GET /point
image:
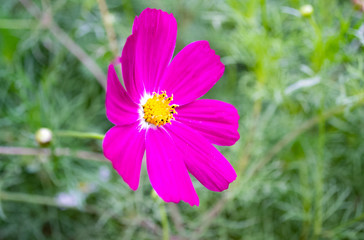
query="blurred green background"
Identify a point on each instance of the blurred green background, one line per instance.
(298, 84)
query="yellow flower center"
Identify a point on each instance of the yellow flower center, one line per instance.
(157, 110)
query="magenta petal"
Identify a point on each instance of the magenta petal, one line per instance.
(120, 109)
(124, 146)
(202, 159)
(192, 72)
(166, 169)
(134, 87)
(148, 51)
(215, 120)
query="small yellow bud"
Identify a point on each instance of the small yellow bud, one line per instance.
(43, 136)
(306, 10)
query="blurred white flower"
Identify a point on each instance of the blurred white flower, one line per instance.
(104, 174)
(70, 199)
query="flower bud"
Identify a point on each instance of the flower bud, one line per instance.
(359, 4)
(43, 136)
(306, 10)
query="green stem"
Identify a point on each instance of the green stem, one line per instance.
(164, 219)
(318, 55)
(263, 8)
(319, 179)
(79, 134)
(28, 198)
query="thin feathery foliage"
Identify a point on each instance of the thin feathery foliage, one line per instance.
(298, 84)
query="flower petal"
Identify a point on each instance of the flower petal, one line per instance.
(166, 169)
(134, 87)
(124, 146)
(120, 109)
(192, 72)
(148, 51)
(215, 120)
(202, 159)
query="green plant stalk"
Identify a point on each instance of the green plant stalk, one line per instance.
(263, 8)
(319, 179)
(318, 55)
(164, 219)
(306, 199)
(28, 198)
(79, 135)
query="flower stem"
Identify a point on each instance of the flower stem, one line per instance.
(28, 198)
(164, 219)
(79, 134)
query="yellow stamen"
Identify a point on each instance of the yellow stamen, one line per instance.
(157, 110)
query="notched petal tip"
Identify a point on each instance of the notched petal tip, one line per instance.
(217, 121)
(166, 170)
(230, 180)
(217, 59)
(152, 15)
(192, 72)
(191, 202)
(154, 10)
(148, 51)
(202, 160)
(195, 202)
(235, 124)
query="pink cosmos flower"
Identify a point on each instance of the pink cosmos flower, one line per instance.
(158, 113)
